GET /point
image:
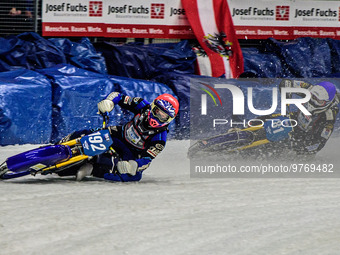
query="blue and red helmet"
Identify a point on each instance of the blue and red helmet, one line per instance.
(163, 110)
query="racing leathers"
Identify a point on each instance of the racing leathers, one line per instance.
(312, 131)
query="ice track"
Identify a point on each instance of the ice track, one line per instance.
(170, 213)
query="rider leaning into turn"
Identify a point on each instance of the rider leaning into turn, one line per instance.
(137, 142)
(312, 132)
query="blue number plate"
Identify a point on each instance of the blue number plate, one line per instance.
(96, 143)
(278, 129)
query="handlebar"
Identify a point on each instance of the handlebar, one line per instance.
(105, 119)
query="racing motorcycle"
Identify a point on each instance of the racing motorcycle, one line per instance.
(58, 157)
(236, 140)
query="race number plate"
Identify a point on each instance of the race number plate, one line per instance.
(96, 143)
(278, 129)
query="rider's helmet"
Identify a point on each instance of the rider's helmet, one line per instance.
(163, 110)
(322, 96)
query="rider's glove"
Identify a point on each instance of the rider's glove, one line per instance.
(105, 105)
(127, 167)
(285, 83)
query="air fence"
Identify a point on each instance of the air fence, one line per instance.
(50, 87)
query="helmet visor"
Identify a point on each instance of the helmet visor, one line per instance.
(318, 102)
(160, 115)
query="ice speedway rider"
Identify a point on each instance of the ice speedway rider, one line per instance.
(312, 132)
(266, 135)
(137, 142)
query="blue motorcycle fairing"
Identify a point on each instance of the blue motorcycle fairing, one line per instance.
(40, 157)
(11, 175)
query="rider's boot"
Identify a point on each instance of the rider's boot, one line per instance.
(84, 170)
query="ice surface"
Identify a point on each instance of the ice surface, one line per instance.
(170, 213)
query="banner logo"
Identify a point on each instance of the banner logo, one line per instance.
(96, 8)
(282, 13)
(157, 11)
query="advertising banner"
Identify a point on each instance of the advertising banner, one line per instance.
(71, 18)
(146, 19)
(115, 18)
(259, 19)
(285, 19)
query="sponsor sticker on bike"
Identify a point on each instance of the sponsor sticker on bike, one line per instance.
(38, 167)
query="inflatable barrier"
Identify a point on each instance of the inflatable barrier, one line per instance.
(147, 61)
(50, 87)
(25, 107)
